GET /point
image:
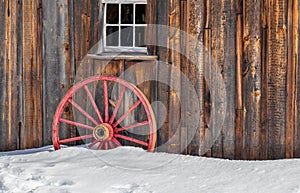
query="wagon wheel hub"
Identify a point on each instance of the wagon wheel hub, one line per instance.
(103, 132)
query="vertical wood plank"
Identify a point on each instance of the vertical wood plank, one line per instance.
(223, 22)
(9, 72)
(95, 22)
(174, 60)
(162, 8)
(184, 70)
(13, 76)
(276, 70)
(132, 73)
(57, 61)
(292, 49)
(264, 83)
(239, 81)
(206, 135)
(31, 132)
(86, 27)
(217, 47)
(82, 42)
(145, 70)
(3, 43)
(229, 78)
(252, 79)
(151, 29)
(101, 21)
(194, 52)
(297, 134)
(81, 26)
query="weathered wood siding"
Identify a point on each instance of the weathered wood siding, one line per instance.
(256, 46)
(254, 43)
(42, 41)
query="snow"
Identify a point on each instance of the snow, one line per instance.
(132, 170)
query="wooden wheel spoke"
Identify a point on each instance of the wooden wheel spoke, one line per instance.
(116, 142)
(76, 124)
(127, 113)
(120, 99)
(106, 100)
(93, 143)
(76, 139)
(106, 145)
(132, 126)
(83, 111)
(92, 100)
(111, 144)
(100, 146)
(131, 139)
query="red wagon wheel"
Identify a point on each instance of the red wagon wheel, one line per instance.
(104, 129)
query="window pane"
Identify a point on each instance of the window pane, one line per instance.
(127, 13)
(140, 14)
(126, 36)
(112, 14)
(140, 37)
(112, 35)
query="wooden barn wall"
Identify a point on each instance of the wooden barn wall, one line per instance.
(255, 44)
(42, 43)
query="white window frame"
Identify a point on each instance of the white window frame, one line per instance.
(120, 48)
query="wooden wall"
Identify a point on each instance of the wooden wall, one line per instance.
(41, 44)
(255, 44)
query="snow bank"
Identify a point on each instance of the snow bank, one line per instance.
(127, 169)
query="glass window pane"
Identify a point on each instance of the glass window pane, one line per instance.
(140, 36)
(127, 13)
(140, 14)
(112, 14)
(112, 35)
(126, 36)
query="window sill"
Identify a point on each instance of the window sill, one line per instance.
(122, 56)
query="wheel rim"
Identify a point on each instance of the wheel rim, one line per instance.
(105, 129)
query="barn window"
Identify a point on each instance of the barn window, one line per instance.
(124, 26)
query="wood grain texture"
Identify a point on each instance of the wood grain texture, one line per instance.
(81, 30)
(251, 79)
(297, 134)
(195, 66)
(218, 56)
(151, 29)
(57, 54)
(223, 44)
(239, 81)
(207, 135)
(31, 132)
(292, 60)
(276, 70)
(174, 60)
(3, 75)
(264, 84)
(229, 78)
(184, 69)
(162, 10)
(11, 70)
(95, 32)
(144, 72)
(9, 73)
